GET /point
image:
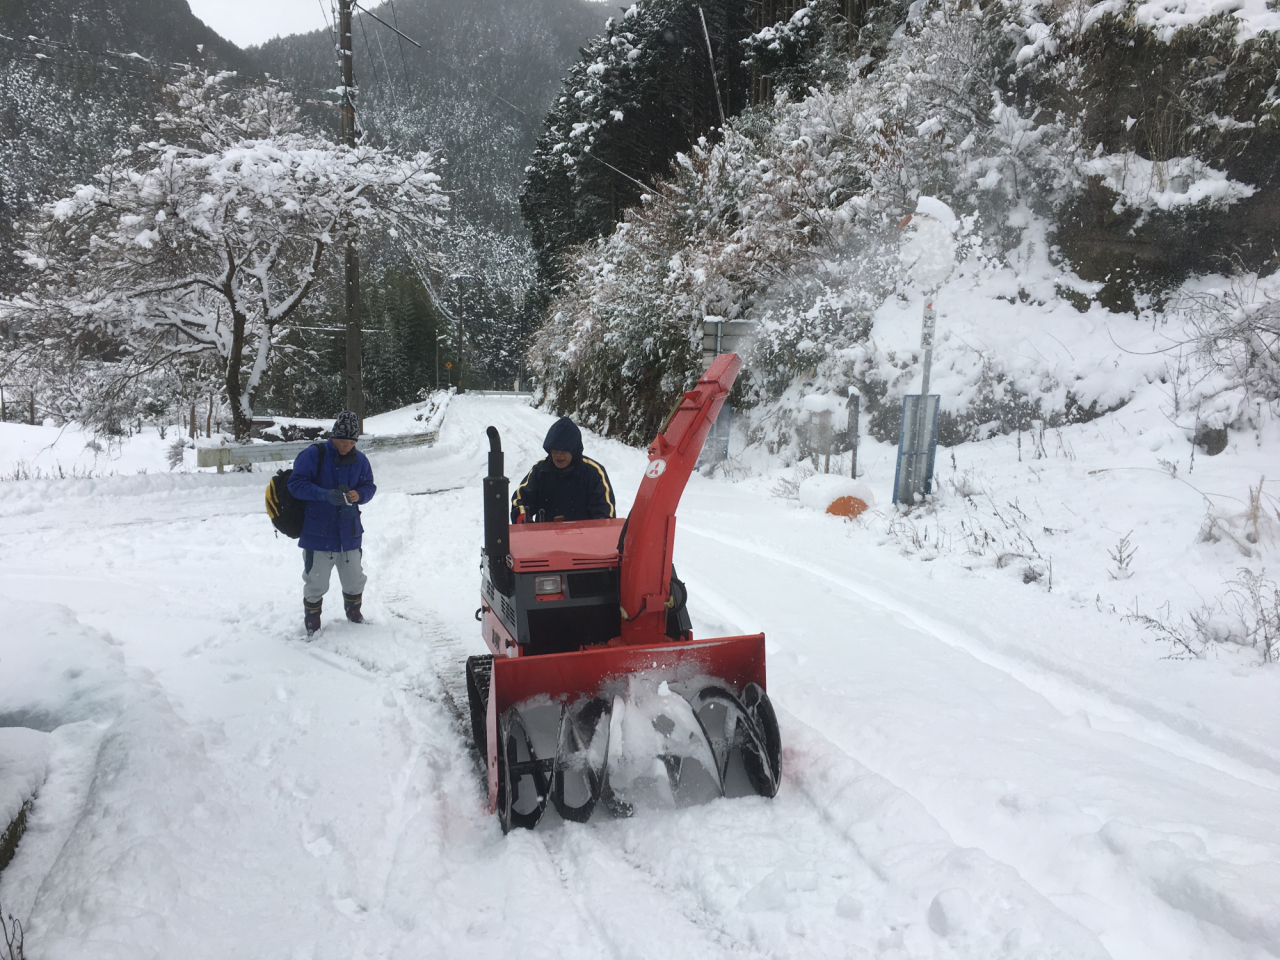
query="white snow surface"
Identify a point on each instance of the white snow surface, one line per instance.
(974, 766)
(24, 757)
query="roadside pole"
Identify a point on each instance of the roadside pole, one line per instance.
(927, 329)
(928, 254)
(855, 411)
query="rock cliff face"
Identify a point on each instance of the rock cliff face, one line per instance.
(1204, 93)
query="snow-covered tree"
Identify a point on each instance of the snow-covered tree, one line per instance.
(791, 219)
(210, 240)
(642, 92)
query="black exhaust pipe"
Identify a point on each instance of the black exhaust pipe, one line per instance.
(497, 530)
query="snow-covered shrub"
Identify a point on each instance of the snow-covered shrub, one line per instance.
(1246, 615)
(621, 340)
(1235, 333)
(176, 452)
(790, 221)
(1254, 601)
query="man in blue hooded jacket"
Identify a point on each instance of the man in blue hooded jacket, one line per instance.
(566, 485)
(332, 479)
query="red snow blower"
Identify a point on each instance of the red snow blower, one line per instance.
(596, 691)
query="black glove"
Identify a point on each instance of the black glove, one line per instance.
(337, 496)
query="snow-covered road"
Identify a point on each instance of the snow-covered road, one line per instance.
(964, 775)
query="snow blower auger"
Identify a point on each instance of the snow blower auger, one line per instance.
(596, 691)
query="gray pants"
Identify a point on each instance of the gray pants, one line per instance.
(318, 566)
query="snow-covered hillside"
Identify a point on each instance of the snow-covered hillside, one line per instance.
(975, 765)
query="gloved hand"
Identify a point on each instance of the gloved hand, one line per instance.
(336, 496)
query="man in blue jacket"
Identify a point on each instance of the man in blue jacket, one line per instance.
(566, 485)
(332, 479)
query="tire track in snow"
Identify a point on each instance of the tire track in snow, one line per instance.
(1097, 861)
(425, 834)
(1066, 690)
(598, 867)
(444, 673)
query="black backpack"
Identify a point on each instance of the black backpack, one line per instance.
(285, 510)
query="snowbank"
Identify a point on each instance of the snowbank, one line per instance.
(421, 417)
(24, 759)
(48, 452)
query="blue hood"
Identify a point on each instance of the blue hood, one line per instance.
(564, 435)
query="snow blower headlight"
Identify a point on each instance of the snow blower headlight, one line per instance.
(545, 585)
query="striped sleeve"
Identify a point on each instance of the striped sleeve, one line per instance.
(600, 504)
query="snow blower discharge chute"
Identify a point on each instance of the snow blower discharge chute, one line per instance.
(595, 690)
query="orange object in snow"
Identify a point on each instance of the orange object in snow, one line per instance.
(847, 507)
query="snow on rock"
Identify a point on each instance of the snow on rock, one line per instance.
(1166, 184)
(823, 489)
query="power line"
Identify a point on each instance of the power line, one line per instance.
(333, 37)
(399, 41)
(387, 25)
(372, 66)
(386, 70)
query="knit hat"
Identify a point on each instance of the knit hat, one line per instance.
(346, 427)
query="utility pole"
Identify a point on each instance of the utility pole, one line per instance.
(354, 378)
(460, 367)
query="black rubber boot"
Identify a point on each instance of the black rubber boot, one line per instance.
(352, 602)
(311, 618)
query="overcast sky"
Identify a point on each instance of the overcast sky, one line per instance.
(249, 22)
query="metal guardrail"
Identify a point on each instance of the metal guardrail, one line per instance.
(235, 454)
(500, 393)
